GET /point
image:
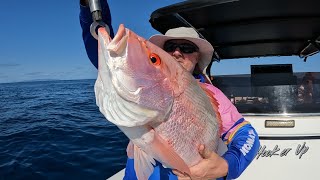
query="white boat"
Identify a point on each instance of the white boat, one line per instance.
(118, 175)
(273, 97)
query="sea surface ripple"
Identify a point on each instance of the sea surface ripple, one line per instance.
(54, 130)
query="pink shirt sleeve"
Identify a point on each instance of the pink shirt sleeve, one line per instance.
(228, 112)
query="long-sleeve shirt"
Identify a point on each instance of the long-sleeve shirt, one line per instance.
(241, 138)
(91, 44)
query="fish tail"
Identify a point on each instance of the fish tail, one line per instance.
(130, 150)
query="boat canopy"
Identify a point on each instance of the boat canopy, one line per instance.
(248, 28)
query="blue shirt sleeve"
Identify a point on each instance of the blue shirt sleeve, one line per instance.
(241, 150)
(159, 172)
(90, 42)
(130, 173)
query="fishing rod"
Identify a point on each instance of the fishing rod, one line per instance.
(96, 11)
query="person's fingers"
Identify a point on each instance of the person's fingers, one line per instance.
(180, 175)
(184, 178)
(204, 152)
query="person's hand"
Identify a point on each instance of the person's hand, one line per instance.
(210, 167)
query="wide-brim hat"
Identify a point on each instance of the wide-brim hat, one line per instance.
(205, 48)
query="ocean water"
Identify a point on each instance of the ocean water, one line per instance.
(54, 130)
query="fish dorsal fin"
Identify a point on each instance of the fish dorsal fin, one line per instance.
(167, 154)
(143, 163)
(214, 103)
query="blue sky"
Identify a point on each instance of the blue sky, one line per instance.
(42, 39)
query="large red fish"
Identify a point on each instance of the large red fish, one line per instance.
(157, 104)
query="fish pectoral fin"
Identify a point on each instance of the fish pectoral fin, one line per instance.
(143, 163)
(167, 154)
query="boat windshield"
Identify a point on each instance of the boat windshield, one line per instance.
(265, 86)
(272, 93)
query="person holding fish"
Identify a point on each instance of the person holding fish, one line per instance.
(173, 121)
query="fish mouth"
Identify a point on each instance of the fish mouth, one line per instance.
(118, 44)
(117, 67)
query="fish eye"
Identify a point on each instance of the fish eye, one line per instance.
(155, 59)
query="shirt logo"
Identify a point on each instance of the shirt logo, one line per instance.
(249, 143)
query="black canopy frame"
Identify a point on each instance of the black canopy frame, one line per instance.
(248, 28)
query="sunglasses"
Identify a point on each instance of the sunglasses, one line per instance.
(184, 47)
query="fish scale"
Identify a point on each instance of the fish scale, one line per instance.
(187, 122)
